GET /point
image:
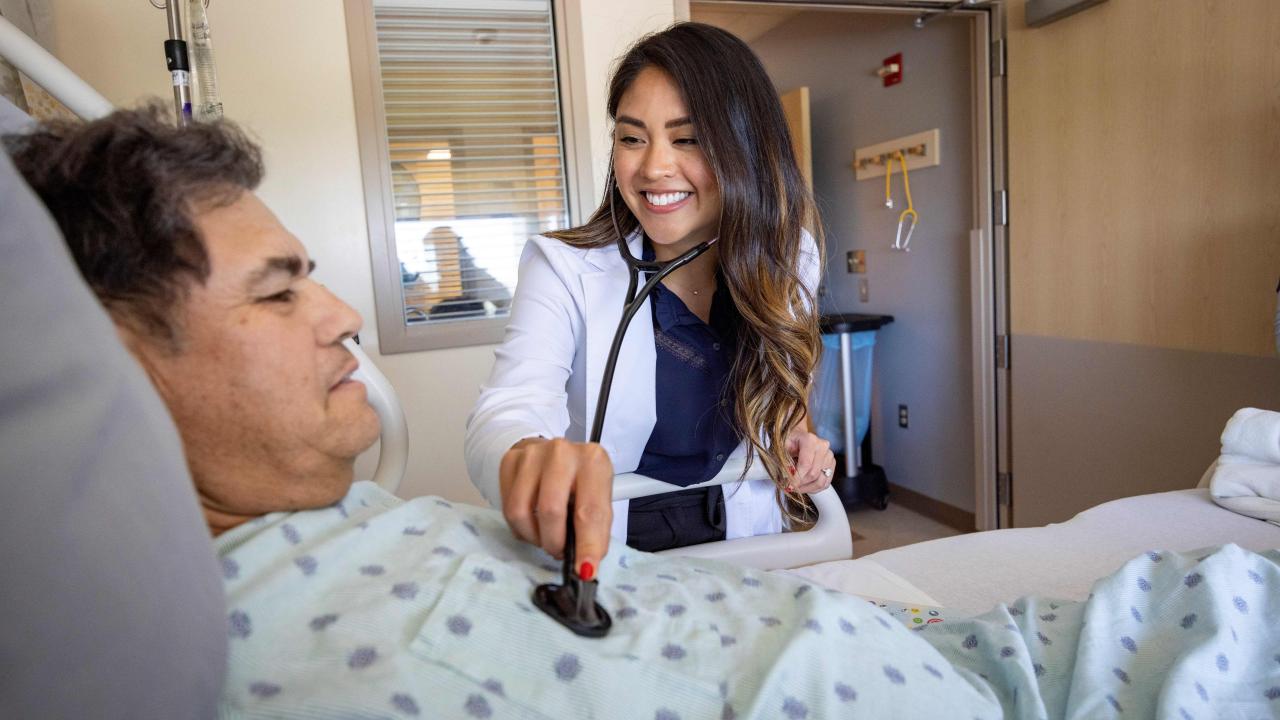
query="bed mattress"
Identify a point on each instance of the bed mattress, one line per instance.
(971, 573)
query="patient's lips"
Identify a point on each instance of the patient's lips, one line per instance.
(346, 379)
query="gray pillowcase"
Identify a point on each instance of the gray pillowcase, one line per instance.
(111, 599)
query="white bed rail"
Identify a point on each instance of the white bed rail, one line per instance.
(44, 69)
(828, 539)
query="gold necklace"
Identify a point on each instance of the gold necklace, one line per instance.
(689, 289)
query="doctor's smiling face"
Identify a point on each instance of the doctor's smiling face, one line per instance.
(661, 170)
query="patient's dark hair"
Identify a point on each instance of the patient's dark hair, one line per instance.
(125, 190)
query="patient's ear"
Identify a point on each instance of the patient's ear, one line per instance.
(146, 349)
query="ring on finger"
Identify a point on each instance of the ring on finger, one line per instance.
(827, 472)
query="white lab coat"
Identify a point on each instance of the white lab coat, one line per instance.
(547, 374)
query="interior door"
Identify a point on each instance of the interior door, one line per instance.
(795, 105)
(987, 238)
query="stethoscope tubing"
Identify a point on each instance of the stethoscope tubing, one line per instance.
(573, 603)
(631, 306)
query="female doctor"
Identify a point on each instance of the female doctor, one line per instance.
(715, 366)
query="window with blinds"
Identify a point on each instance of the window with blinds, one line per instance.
(474, 156)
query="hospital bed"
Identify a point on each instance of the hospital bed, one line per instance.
(106, 609)
(968, 574)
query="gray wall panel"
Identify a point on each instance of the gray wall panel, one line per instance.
(1096, 421)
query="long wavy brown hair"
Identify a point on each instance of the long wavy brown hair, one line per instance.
(765, 207)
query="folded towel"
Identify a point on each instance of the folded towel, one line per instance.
(1253, 434)
(1246, 477)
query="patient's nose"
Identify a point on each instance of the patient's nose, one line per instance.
(336, 320)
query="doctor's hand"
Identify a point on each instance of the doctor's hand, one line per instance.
(814, 462)
(539, 477)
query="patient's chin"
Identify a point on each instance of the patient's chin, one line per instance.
(356, 430)
(327, 488)
(367, 431)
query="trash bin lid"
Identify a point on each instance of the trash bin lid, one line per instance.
(853, 322)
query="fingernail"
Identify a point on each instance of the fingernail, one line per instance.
(790, 489)
(791, 470)
(586, 571)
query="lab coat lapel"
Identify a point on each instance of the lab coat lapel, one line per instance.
(631, 412)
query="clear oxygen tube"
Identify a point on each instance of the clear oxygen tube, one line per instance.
(207, 102)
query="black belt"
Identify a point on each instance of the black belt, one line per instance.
(677, 519)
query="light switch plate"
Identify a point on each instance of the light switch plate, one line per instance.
(864, 292)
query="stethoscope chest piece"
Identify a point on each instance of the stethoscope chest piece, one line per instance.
(573, 603)
(577, 611)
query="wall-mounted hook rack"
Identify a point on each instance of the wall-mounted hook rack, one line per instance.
(882, 158)
(921, 150)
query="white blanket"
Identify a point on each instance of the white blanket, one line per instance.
(1246, 477)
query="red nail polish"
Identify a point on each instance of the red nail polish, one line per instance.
(790, 489)
(791, 470)
(586, 571)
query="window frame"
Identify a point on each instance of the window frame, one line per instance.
(394, 334)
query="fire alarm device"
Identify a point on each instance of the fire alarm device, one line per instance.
(891, 70)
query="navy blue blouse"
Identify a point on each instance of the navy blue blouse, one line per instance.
(694, 432)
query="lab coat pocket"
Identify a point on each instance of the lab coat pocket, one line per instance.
(485, 630)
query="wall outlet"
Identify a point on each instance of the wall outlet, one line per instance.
(864, 291)
(903, 419)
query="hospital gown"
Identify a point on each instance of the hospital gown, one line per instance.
(380, 608)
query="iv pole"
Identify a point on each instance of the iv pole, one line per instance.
(175, 55)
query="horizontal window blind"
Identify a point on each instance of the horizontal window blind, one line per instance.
(472, 110)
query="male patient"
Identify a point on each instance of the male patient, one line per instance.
(347, 602)
(213, 296)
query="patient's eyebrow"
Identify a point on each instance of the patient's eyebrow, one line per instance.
(289, 265)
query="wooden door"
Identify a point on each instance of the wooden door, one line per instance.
(795, 105)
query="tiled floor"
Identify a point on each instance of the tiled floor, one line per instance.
(875, 530)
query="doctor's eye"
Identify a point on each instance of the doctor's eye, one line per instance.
(629, 140)
(687, 141)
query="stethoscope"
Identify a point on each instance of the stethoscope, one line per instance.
(573, 603)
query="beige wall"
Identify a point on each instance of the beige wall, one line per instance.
(1144, 172)
(1144, 183)
(284, 74)
(603, 29)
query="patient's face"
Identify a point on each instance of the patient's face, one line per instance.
(260, 389)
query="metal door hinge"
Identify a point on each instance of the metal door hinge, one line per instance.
(999, 58)
(1002, 352)
(1004, 489)
(1001, 203)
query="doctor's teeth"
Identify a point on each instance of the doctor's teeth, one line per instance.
(665, 198)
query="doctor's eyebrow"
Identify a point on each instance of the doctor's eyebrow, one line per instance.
(290, 265)
(678, 122)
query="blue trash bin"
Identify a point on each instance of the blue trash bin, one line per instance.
(825, 399)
